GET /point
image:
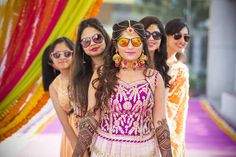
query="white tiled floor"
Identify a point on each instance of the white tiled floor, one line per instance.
(47, 145)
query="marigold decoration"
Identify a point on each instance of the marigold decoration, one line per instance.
(14, 111)
(35, 23)
(36, 102)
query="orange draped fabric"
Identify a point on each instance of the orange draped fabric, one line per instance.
(93, 11)
(41, 17)
(40, 103)
(177, 105)
(15, 109)
(9, 13)
(36, 21)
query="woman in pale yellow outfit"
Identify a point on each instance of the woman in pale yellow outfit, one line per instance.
(177, 104)
(56, 62)
(60, 86)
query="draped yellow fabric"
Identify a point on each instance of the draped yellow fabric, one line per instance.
(9, 13)
(72, 14)
(29, 110)
(32, 30)
(13, 110)
(66, 25)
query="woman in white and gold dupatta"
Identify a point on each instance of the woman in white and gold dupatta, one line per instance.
(177, 102)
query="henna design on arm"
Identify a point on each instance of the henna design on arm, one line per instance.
(163, 138)
(87, 128)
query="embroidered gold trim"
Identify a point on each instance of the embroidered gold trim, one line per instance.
(113, 137)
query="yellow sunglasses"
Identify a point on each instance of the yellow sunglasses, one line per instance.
(136, 42)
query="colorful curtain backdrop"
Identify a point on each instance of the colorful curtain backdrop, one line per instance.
(26, 28)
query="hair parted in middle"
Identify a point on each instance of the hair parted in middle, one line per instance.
(82, 66)
(48, 72)
(107, 74)
(160, 55)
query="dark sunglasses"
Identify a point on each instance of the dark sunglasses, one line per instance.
(58, 54)
(136, 42)
(178, 36)
(156, 35)
(97, 38)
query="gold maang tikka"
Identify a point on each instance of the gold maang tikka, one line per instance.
(130, 30)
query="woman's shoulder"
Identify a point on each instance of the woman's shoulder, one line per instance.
(182, 67)
(55, 83)
(154, 74)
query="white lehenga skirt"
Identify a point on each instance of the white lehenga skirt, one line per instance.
(106, 145)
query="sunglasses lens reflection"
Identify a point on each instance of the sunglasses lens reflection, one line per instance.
(97, 38)
(178, 36)
(136, 42)
(56, 55)
(66, 54)
(187, 38)
(85, 42)
(148, 34)
(123, 42)
(155, 35)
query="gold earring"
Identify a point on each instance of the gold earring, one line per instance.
(117, 59)
(142, 59)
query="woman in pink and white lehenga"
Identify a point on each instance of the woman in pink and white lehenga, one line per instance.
(126, 111)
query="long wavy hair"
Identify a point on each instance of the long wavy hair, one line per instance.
(107, 74)
(160, 55)
(48, 72)
(82, 66)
